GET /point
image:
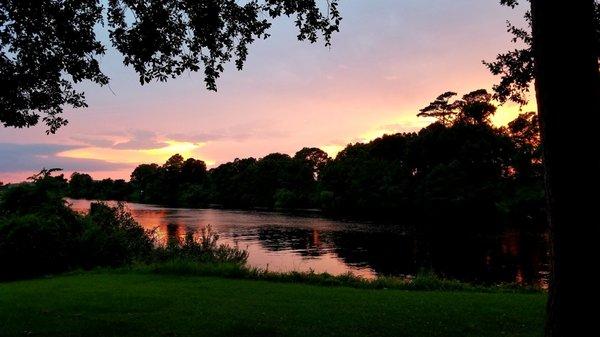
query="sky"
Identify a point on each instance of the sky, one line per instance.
(391, 58)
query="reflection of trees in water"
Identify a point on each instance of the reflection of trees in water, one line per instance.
(307, 242)
(170, 233)
(481, 259)
(525, 254)
(385, 253)
(512, 257)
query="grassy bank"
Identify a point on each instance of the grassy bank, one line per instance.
(427, 281)
(146, 304)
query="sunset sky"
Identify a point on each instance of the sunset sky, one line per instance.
(391, 58)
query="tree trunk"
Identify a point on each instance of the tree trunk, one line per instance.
(567, 84)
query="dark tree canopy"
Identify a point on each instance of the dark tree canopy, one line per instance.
(441, 108)
(475, 107)
(47, 46)
(314, 157)
(516, 66)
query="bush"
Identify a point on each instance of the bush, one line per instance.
(285, 198)
(201, 247)
(41, 234)
(35, 244)
(43, 242)
(113, 238)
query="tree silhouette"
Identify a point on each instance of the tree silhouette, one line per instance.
(193, 171)
(562, 53)
(441, 109)
(314, 157)
(49, 45)
(516, 67)
(525, 129)
(81, 185)
(174, 164)
(475, 107)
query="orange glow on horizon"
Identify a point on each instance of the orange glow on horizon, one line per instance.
(404, 123)
(138, 156)
(510, 111)
(332, 150)
(404, 120)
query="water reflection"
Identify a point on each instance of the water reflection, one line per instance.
(286, 242)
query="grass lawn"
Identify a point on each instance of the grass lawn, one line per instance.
(137, 304)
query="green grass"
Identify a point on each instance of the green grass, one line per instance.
(421, 281)
(125, 304)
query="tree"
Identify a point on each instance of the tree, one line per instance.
(563, 69)
(193, 171)
(516, 67)
(231, 184)
(441, 109)
(475, 107)
(174, 164)
(48, 46)
(563, 60)
(273, 172)
(142, 179)
(314, 157)
(525, 129)
(81, 185)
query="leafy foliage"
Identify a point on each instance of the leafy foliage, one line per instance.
(515, 67)
(475, 108)
(82, 186)
(441, 109)
(40, 233)
(48, 46)
(199, 248)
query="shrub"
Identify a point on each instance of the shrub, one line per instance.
(200, 247)
(112, 237)
(41, 234)
(285, 198)
(35, 244)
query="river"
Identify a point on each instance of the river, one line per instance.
(285, 242)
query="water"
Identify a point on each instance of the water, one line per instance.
(285, 242)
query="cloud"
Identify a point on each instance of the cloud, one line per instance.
(124, 140)
(196, 137)
(33, 157)
(262, 129)
(98, 141)
(140, 140)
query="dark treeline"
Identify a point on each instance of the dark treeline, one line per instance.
(460, 169)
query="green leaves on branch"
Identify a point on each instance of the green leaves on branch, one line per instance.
(516, 66)
(48, 46)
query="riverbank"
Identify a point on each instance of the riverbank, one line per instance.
(144, 304)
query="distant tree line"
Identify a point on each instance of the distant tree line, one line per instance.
(460, 168)
(82, 186)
